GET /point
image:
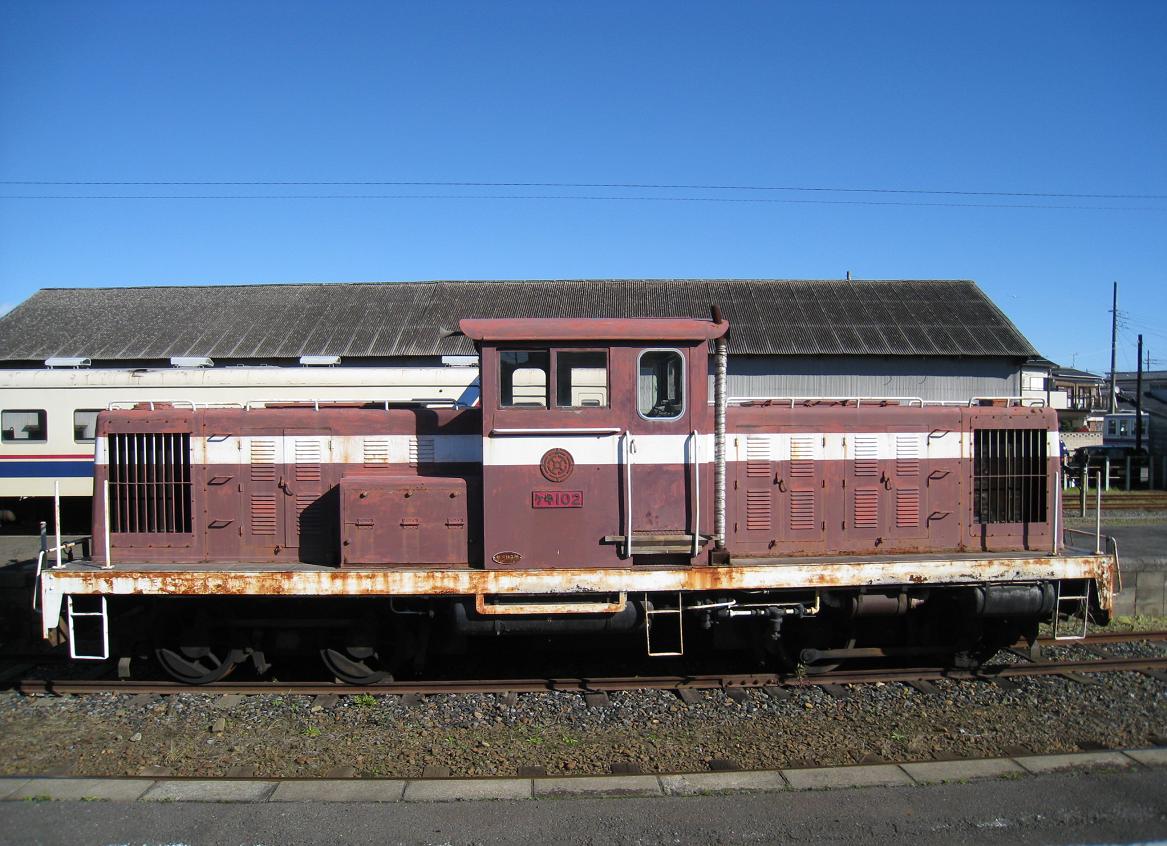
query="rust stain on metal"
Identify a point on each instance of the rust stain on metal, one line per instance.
(447, 582)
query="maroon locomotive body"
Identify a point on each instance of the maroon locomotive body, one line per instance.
(606, 480)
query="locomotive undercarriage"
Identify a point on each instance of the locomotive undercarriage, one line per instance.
(202, 640)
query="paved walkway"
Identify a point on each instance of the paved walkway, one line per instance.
(1123, 805)
(458, 789)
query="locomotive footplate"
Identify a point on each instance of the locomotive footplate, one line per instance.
(305, 580)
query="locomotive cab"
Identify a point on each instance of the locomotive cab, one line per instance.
(594, 434)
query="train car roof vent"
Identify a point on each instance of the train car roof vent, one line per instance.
(319, 360)
(65, 361)
(191, 361)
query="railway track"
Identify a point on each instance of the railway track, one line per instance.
(771, 682)
(1124, 502)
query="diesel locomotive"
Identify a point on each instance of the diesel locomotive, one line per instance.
(604, 486)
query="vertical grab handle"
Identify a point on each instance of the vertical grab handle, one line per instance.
(626, 453)
(696, 440)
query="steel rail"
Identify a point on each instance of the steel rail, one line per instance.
(605, 684)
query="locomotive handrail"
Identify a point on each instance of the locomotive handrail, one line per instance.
(251, 405)
(113, 405)
(1111, 549)
(1033, 402)
(858, 400)
(386, 404)
(595, 430)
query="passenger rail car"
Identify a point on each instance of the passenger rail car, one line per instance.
(48, 417)
(595, 491)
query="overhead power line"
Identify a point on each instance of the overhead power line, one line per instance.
(585, 197)
(639, 186)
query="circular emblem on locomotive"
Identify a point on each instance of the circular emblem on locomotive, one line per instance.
(557, 465)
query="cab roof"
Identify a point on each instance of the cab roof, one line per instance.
(593, 329)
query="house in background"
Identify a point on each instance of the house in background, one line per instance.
(1078, 397)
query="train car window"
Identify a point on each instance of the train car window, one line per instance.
(581, 379)
(85, 425)
(23, 425)
(660, 384)
(523, 378)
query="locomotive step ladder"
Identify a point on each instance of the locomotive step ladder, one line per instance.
(651, 614)
(678, 543)
(101, 615)
(1078, 607)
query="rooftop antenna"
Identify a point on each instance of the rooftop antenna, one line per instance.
(1113, 344)
(1139, 402)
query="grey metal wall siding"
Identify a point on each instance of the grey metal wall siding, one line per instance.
(936, 378)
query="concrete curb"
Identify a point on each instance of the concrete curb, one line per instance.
(24, 788)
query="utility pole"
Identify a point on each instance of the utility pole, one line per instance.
(1113, 404)
(1139, 401)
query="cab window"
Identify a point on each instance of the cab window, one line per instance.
(523, 378)
(581, 379)
(660, 384)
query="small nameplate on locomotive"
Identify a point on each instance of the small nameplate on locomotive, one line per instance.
(557, 499)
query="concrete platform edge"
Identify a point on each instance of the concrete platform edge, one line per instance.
(80, 788)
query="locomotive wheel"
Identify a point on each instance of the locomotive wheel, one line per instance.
(198, 664)
(355, 664)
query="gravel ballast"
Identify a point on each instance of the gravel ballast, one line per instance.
(649, 731)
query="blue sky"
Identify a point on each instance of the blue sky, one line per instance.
(1046, 97)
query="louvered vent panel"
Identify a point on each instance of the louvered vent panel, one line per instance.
(802, 456)
(758, 456)
(866, 455)
(908, 455)
(308, 520)
(802, 511)
(263, 514)
(758, 511)
(376, 452)
(421, 450)
(907, 508)
(866, 514)
(308, 453)
(149, 482)
(263, 459)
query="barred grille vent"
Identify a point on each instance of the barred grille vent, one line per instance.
(757, 455)
(866, 455)
(758, 510)
(1009, 475)
(149, 483)
(802, 456)
(802, 511)
(866, 509)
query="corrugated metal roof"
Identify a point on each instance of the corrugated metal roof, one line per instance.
(389, 319)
